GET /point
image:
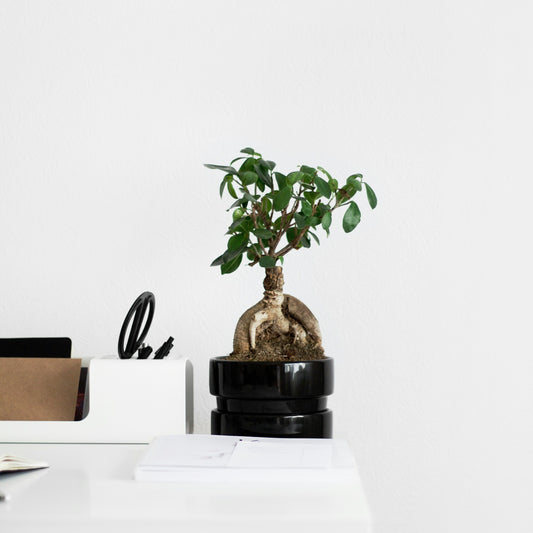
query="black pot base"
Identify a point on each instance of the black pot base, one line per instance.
(311, 425)
(271, 399)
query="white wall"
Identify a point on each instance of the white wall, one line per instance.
(108, 110)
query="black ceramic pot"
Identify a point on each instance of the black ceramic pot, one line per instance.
(271, 399)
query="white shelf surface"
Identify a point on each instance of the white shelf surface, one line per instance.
(90, 487)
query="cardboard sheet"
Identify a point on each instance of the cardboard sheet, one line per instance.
(38, 388)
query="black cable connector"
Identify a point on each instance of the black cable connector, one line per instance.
(165, 349)
(144, 352)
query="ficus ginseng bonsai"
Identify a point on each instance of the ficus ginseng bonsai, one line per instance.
(273, 214)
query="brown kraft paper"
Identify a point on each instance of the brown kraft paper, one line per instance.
(38, 388)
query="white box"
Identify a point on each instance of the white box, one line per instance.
(128, 401)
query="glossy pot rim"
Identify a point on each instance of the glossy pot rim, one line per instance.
(271, 379)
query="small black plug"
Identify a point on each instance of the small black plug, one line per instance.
(165, 349)
(144, 352)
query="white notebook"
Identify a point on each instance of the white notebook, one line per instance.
(225, 458)
(14, 463)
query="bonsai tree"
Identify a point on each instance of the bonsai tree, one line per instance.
(273, 214)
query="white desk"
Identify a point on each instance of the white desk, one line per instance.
(89, 487)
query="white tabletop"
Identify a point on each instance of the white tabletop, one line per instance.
(90, 487)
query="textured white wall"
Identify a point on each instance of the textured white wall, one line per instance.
(108, 110)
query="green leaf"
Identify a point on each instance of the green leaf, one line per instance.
(308, 170)
(270, 164)
(311, 197)
(314, 237)
(333, 185)
(351, 218)
(291, 234)
(293, 177)
(231, 266)
(228, 178)
(311, 221)
(244, 224)
(266, 204)
(249, 198)
(253, 253)
(345, 193)
(249, 151)
(236, 203)
(326, 221)
(229, 255)
(263, 233)
(248, 177)
(371, 195)
(324, 171)
(236, 241)
(323, 187)
(305, 242)
(228, 170)
(263, 175)
(247, 165)
(281, 179)
(237, 159)
(231, 190)
(218, 261)
(300, 221)
(282, 198)
(267, 262)
(354, 182)
(322, 209)
(307, 208)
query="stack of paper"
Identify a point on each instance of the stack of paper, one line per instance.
(225, 458)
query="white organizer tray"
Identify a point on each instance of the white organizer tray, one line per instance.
(128, 401)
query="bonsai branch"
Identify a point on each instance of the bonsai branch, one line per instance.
(293, 244)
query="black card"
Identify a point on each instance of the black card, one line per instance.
(36, 347)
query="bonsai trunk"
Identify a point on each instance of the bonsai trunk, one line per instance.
(278, 328)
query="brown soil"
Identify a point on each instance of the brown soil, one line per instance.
(271, 346)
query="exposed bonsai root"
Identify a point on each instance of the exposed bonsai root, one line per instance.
(302, 314)
(278, 327)
(241, 338)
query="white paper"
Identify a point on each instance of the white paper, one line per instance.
(221, 458)
(261, 454)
